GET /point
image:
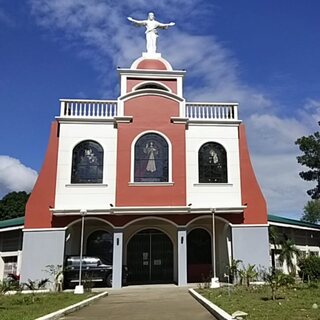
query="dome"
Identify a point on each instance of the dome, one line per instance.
(151, 64)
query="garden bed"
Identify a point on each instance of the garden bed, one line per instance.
(291, 303)
(29, 306)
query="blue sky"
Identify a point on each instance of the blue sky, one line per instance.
(262, 54)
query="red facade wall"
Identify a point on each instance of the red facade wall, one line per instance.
(122, 220)
(151, 113)
(43, 194)
(256, 211)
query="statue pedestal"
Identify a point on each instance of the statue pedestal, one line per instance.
(149, 55)
(78, 289)
(214, 283)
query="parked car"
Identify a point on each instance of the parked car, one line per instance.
(93, 270)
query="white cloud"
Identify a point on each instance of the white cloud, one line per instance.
(98, 30)
(15, 176)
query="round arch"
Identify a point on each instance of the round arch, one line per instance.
(199, 254)
(150, 257)
(99, 243)
(212, 163)
(151, 84)
(158, 146)
(87, 162)
(91, 225)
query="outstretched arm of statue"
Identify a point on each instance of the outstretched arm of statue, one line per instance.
(137, 22)
(165, 25)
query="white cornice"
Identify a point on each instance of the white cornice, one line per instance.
(11, 228)
(253, 225)
(217, 122)
(44, 229)
(152, 73)
(82, 120)
(148, 210)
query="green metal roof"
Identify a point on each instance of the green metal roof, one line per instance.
(15, 222)
(273, 218)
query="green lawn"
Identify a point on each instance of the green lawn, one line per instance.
(292, 304)
(22, 307)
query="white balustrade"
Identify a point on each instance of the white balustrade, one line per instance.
(211, 111)
(88, 108)
(76, 108)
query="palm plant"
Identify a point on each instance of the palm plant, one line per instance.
(247, 274)
(233, 270)
(274, 240)
(287, 253)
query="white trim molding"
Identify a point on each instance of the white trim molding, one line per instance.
(11, 228)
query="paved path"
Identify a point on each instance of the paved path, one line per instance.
(144, 303)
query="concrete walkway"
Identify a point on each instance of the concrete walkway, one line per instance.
(144, 303)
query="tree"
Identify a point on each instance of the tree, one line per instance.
(310, 146)
(311, 212)
(13, 205)
(287, 253)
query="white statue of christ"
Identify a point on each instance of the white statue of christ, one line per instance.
(151, 30)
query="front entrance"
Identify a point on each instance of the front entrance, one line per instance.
(150, 257)
(199, 255)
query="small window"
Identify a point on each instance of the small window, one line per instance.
(151, 159)
(212, 163)
(152, 86)
(87, 163)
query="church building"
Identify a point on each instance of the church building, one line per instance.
(165, 185)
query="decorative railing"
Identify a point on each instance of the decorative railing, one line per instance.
(212, 111)
(103, 109)
(88, 108)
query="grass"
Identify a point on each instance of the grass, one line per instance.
(22, 307)
(291, 304)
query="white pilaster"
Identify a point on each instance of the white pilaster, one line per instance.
(182, 257)
(117, 259)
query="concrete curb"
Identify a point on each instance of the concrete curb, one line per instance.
(62, 312)
(219, 313)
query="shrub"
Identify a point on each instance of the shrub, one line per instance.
(309, 268)
(248, 274)
(276, 279)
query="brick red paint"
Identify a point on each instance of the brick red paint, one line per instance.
(256, 212)
(120, 221)
(151, 64)
(172, 84)
(151, 113)
(235, 218)
(43, 194)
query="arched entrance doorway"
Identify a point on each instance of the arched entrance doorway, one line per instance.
(100, 244)
(150, 257)
(199, 255)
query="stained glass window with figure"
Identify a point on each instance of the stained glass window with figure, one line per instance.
(151, 159)
(87, 163)
(212, 163)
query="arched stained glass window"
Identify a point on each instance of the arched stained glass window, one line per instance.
(151, 159)
(87, 163)
(212, 163)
